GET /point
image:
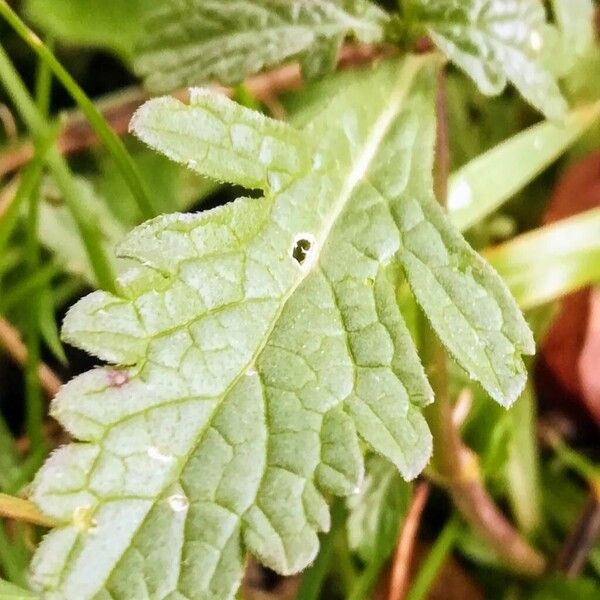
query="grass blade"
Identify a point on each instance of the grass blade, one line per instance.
(29, 181)
(484, 184)
(551, 261)
(113, 143)
(90, 234)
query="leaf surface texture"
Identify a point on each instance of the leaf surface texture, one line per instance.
(494, 42)
(191, 42)
(254, 344)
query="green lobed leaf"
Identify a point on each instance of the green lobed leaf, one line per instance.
(191, 42)
(278, 314)
(377, 511)
(495, 41)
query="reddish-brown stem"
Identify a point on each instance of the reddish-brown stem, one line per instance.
(400, 573)
(77, 134)
(11, 341)
(455, 466)
(582, 539)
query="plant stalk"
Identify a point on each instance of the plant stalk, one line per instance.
(400, 575)
(456, 466)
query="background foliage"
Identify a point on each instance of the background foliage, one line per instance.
(523, 189)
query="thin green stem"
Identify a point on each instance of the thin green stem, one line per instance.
(29, 191)
(366, 580)
(113, 143)
(438, 554)
(12, 558)
(35, 281)
(577, 462)
(21, 476)
(48, 327)
(43, 84)
(344, 567)
(27, 185)
(34, 400)
(9, 459)
(88, 228)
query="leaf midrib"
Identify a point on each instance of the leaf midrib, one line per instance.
(360, 168)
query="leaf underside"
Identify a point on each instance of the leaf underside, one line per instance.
(258, 341)
(196, 41)
(496, 41)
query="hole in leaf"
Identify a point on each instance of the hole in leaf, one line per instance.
(302, 247)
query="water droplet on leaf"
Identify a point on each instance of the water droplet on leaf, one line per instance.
(178, 503)
(460, 196)
(536, 41)
(155, 454)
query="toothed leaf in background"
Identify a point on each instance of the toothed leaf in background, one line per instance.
(376, 512)
(495, 42)
(187, 43)
(254, 343)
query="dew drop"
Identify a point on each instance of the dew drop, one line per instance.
(276, 181)
(155, 454)
(460, 196)
(178, 503)
(83, 519)
(538, 143)
(317, 161)
(536, 41)
(266, 154)
(192, 164)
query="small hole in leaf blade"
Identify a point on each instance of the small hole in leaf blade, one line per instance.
(301, 249)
